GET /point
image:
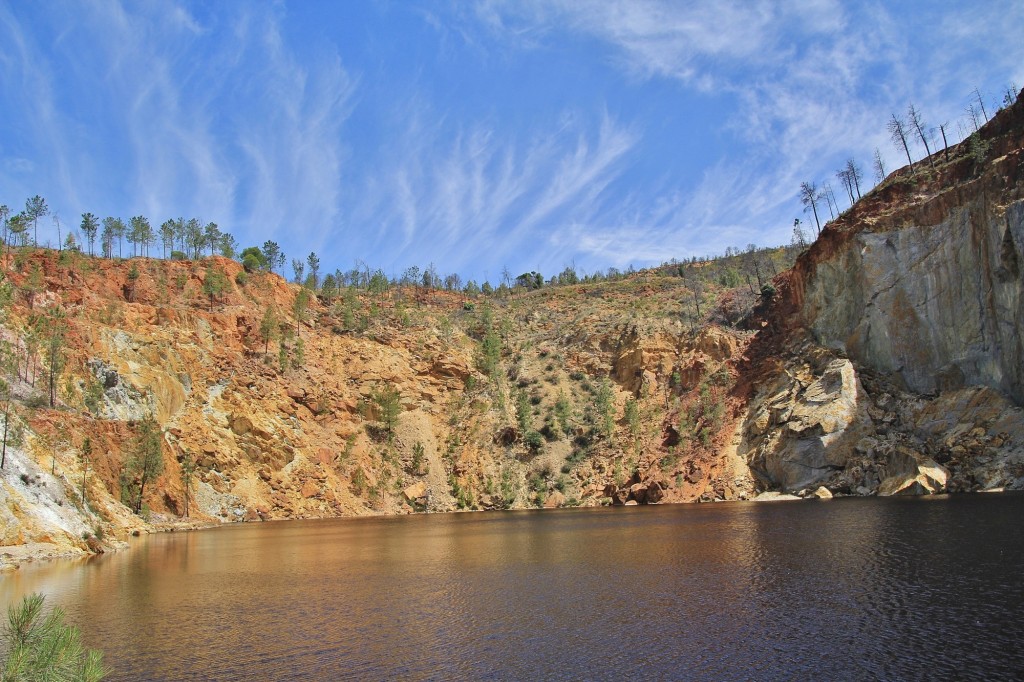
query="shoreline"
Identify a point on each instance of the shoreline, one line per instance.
(14, 557)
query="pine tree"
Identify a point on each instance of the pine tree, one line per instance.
(44, 648)
(36, 208)
(215, 283)
(269, 328)
(90, 225)
(144, 464)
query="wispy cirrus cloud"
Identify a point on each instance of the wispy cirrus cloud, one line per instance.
(475, 135)
(470, 198)
(693, 42)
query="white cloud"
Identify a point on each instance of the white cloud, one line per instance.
(815, 85)
(467, 197)
(223, 113)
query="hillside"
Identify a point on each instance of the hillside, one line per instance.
(886, 360)
(384, 402)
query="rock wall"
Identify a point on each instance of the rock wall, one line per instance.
(939, 306)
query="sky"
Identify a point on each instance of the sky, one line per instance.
(478, 136)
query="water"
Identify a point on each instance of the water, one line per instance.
(845, 589)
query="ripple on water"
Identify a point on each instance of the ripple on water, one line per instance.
(852, 589)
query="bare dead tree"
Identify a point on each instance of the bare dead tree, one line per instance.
(898, 132)
(824, 195)
(973, 114)
(981, 103)
(855, 174)
(753, 262)
(830, 198)
(844, 177)
(916, 121)
(945, 143)
(878, 166)
(809, 197)
(962, 130)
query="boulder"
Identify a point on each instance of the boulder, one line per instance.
(415, 491)
(819, 417)
(554, 500)
(910, 473)
(310, 489)
(240, 424)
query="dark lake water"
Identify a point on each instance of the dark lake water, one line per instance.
(848, 589)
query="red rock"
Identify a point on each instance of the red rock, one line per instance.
(310, 489)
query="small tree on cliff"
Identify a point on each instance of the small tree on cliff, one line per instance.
(604, 406)
(214, 284)
(52, 331)
(188, 469)
(144, 463)
(299, 306)
(855, 174)
(389, 404)
(269, 328)
(167, 231)
(85, 455)
(879, 166)
(272, 254)
(17, 225)
(8, 374)
(212, 236)
(314, 269)
(33, 285)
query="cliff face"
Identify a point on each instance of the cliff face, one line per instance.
(917, 292)
(939, 306)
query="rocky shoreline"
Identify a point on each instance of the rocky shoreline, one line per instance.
(13, 557)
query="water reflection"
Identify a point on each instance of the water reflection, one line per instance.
(846, 589)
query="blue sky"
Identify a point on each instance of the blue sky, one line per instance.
(477, 135)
